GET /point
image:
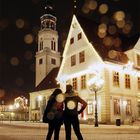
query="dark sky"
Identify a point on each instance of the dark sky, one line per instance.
(20, 21)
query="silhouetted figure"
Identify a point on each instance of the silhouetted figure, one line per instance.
(53, 114)
(71, 112)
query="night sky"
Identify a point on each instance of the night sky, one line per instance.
(19, 25)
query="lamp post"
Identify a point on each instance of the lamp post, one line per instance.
(95, 85)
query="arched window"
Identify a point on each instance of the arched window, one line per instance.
(53, 45)
(41, 44)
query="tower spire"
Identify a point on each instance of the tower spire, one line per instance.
(48, 20)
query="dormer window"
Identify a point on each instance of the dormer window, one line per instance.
(79, 36)
(82, 57)
(72, 40)
(73, 60)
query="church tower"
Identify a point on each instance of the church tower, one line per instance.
(47, 56)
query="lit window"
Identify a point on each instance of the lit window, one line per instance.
(116, 103)
(79, 36)
(90, 107)
(53, 45)
(72, 40)
(127, 81)
(82, 57)
(40, 61)
(83, 82)
(41, 44)
(53, 61)
(138, 60)
(74, 83)
(73, 60)
(116, 79)
(138, 79)
(128, 107)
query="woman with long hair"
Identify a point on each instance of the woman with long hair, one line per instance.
(53, 114)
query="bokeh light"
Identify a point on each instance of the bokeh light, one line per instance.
(92, 4)
(108, 41)
(117, 42)
(101, 35)
(14, 61)
(28, 38)
(103, 8)
(112, 54)
(119, 15)
(120, 23)
(102, 28)
(20, 23)
(85, 10)
(50, 115)
(71, 105)
(89, 5)
(60, 98)
(127, 28)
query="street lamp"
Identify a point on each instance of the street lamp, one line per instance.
(95, 85)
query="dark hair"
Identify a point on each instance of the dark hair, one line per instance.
(55, 93)
(69, 89)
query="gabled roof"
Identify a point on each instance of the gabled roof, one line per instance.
(49, 81)
(75, 28)
(137, 46)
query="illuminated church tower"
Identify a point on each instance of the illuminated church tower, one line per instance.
(47, 56)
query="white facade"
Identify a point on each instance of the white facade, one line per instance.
(119, 96)
(47, 56)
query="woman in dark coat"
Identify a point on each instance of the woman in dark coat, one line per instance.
(71, 112)
(53, 114)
